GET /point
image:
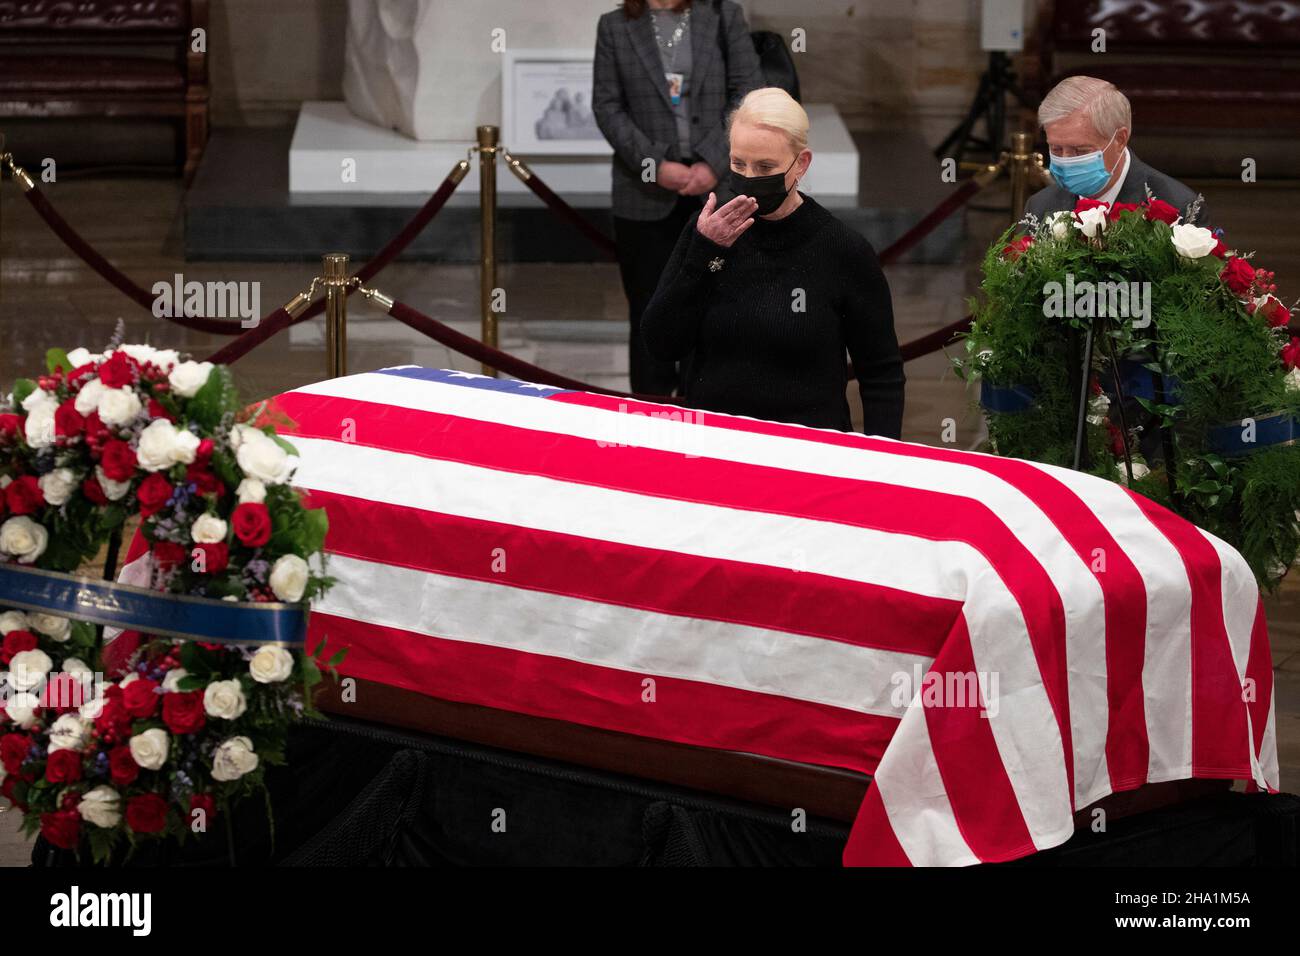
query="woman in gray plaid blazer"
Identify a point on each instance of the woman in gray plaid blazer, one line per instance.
(666, 73)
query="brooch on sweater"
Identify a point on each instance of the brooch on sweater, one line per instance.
(715, 264)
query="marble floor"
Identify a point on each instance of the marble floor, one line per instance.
(569, 318)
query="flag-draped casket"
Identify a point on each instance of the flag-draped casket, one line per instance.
(997, 643)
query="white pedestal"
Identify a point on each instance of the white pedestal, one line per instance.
(329, 139)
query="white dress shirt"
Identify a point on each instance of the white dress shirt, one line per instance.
(1110, 195)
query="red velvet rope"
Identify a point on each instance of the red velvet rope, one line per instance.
(561, 208)
(269, 326)
(938, 214)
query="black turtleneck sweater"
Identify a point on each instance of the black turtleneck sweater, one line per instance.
(767, 332)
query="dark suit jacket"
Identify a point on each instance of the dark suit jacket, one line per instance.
(1055, 199)
(630, 98)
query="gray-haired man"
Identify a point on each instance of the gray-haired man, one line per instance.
(1088, 123)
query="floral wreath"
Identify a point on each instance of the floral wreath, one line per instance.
(178, 730)
(1224, 352)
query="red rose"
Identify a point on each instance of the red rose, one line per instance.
(122, 766)
(215, 556)
(13, 751)
(252, 524)
(1119, 208)
(1015, 250)
(62, 693)
(113, 723)
(23, 495)
(1219, 249)
(96, 431)
(118, 460)
(146, 813)
(1275, 313)
(93, 491)
(1291, 353)
(139, 699)
(205, 482)
(182, 711)
(119, 371)
(63, 766)
(153, 494)
(67, 420)
(86, 371)
(204, 802)
(1238, 275)
(204, 452)
(156, 410)
(1161, 211)
(1083, 205)
(11, 426)
(62, 828)
(16, 641)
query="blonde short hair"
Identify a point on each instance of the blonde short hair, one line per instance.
(1103, 103)
(771, 107)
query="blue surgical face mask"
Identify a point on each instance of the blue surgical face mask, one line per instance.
(1084, 175)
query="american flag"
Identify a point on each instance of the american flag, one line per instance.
(997, 643)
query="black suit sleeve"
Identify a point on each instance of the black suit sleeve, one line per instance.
(868, 323)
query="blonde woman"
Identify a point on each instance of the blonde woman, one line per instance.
(768, 291)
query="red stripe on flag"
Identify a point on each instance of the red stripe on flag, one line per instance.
(1219, 737)
(1259, 671)
(872, 841)
(668, 582)
(685, 711)
(988, 815)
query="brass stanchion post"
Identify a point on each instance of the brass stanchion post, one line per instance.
(334, 276)
(487, 184)
(1026, 166)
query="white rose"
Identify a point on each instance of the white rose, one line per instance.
(1293, 379)
(251, 490)
(87, 399)
(38, 429)
(91, 709)
(52, 626)
(271, 664)
(40, 398)
(289, 578)
(1193, 242)
(79, 669)
(13, 621)
(117, 406)
(113, 490)
(172, 679)
(68, 733)
(188, 377)
(1092, 222)
(79, 357)
(22, 709)
(27, 669)
(163, 358)
(208, 529)
(1061, 225)
(162, 445)
(224, 699)
(101, 806)
(149, 749)
(58, 485)
(260, 457)
(23, 538)
(233, 758)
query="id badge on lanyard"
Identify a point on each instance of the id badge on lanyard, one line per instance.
(675, 81)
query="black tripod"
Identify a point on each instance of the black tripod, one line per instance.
(990, 104)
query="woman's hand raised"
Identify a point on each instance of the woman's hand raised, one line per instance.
(724, 226)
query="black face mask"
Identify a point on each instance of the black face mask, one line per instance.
(768, 191)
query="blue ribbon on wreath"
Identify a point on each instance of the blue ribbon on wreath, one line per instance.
(179, 616)
(1229, 441)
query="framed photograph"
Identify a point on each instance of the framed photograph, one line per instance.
(546, 104)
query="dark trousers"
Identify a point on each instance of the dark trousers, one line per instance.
(643, 251)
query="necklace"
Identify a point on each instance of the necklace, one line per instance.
(674, 40)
